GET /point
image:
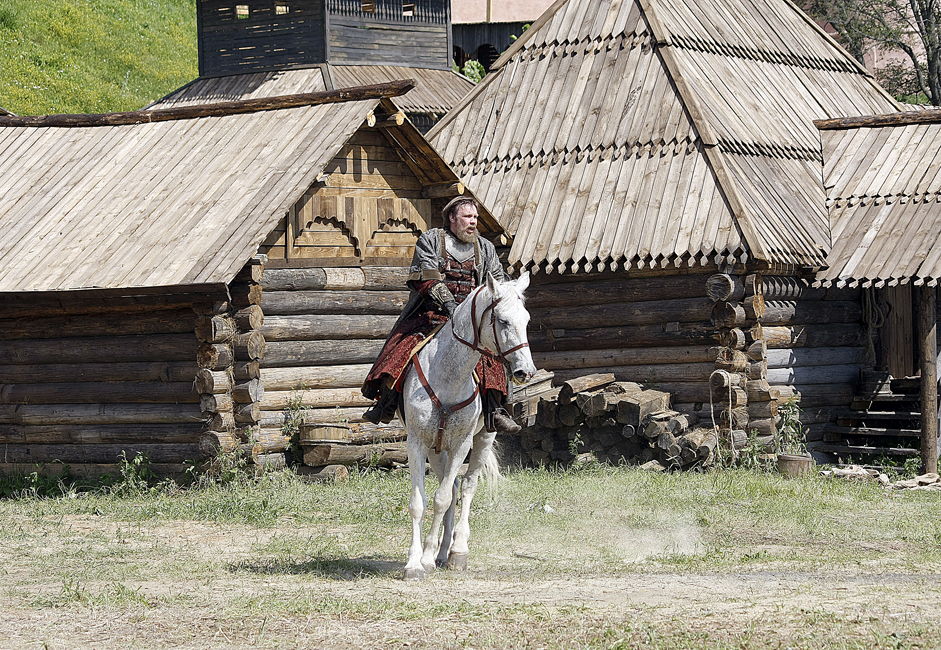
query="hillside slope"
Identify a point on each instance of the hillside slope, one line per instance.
(93, 56)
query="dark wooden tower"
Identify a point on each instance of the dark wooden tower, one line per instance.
(239, 36)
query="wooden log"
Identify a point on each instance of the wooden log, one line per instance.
(249, 318)
(367, 433)
(728, 314)
(547, 414)
(384, 455)
(582, 398)
(390, 89)
(725, 287)
(442, 190)
(625, 337)
(754, 284)
(31, 454)
(736, 417)
(65, 303)
(760, 391)
(757, 351)
(114, 349)
(632, 409)
(791, 288)
(579, 384)
(762, 410)
(331, 415)
(248, 391)
(600, 403)
(928, 354)
(653, 429)
(754, 307)
(215, 356)
(270, 462)
(803, 336)
(324, 474)
(351, 303)
(733, 397)
(723, 379)
(730, 360)
(215, 329)
(666, 440)
(210, 307)
(325, 327)
(625, 357)
(789, 312)
(176, 371)
(755, 333)
(91, 392)
(212, 381)
(271, 440)
(244, 294)
(223, 421)
(249, 346)
(382, 278)
(568, 414)
(799, 357)
(678, 424)
(318, 398)
(62, 434)
(245, 370)
(708, 446)
(649, 373)
(110, 324)
(247, 413)
(547, 292)
(220, 403)
(323, 433)
(320, 353)
(652, 312)
(254, 271)
(765, 427)
(732, 338)
(756, 370)
(737, 437)
(310, 377)
(840, 374)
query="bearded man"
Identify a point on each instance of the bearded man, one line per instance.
(448, 264)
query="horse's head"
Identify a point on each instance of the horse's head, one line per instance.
(507, 336)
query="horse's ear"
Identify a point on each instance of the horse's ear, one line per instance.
(491, 284)
(523, 283)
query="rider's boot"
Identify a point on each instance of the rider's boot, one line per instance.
(495, 417)
(384, 409)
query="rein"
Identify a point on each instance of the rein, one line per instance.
(445, 412)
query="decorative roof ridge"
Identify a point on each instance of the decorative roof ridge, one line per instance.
(358, 93)
(591, 151)
(902, 118)
(770, 150)
(758, 54)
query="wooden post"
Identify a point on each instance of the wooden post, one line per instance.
(927, 326)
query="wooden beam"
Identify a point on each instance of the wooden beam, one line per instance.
(929, 116)
(928, 347)
(442, 190)
(356, 93)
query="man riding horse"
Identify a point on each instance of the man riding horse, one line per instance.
(448, 264)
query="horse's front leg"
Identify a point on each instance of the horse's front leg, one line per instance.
(438, 464)
(445, 497)
(482, 449)
(416, 507)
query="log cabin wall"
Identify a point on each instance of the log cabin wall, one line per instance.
(85, 380)
(655, 330)
(816, 345)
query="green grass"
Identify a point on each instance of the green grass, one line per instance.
(94, 56)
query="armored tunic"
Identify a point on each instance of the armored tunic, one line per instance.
(439, 257)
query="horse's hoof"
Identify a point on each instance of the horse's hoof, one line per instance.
(439, 563)
(414, 574)
(457, 561)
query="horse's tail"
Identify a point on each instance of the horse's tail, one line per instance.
(490, 471)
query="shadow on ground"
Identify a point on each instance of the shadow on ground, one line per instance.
(324, 567)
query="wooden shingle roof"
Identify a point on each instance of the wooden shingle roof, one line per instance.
(162, 198)
(436, 91)
(641, 133)
(883, 180)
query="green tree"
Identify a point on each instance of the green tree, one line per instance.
(910, 26)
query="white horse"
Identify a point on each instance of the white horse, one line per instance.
(444, 415)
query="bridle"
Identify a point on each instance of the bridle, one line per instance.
(444, 412)
(475, 345)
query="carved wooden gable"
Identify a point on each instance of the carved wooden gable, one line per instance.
(367, 205)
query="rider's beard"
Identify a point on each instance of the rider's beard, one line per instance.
(466, 237)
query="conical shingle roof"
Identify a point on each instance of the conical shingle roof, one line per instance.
(626, 133)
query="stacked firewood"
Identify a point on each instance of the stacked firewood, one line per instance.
(616, 421)
(330, 449)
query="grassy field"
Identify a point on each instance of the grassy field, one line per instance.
(595, 557)
(93, 56)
